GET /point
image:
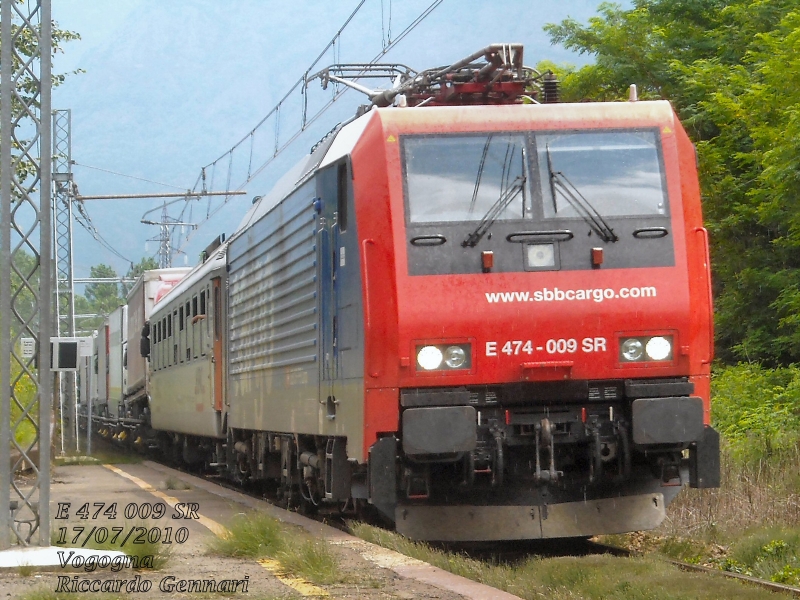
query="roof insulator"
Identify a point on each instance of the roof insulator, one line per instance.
(550, 88)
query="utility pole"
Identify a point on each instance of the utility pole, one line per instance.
(25, 226)
(164, 238)
(65, 288)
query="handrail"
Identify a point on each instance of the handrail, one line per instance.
(707, 258)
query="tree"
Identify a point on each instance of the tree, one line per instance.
(148, 263)
(729, 67)
(103, 298)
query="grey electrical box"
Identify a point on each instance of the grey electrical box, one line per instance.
(64, 354)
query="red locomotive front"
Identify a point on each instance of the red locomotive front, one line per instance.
(537, 318)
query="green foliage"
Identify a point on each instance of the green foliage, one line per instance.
(103, 297)
(25, 44)
(570, 577)
(772, 554)
(24, 291)
(732, 72)
(148, 263)
(251, 535)
(687, 550)
(787, 575)
(757, 410)
(98, 298)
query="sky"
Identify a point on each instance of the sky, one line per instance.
(168, 87)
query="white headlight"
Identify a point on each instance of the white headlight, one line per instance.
(632, 349)
(455, 357)
(429, 357)
(658, 348)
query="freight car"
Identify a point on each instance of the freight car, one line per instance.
(114, 382)
(485, 314)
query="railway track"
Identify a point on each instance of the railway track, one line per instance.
(768, 585)
(507, 553)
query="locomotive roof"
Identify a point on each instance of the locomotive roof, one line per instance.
(338, 144)
(445, 119)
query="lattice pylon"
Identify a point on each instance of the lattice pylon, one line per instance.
(25, 268)
(65, 289)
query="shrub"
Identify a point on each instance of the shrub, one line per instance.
(756, 410)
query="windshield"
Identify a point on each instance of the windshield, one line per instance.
(619, 173)
(461, 178)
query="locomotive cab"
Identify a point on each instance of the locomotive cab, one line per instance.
(553, 322)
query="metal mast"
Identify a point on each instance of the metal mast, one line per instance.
(166, 225)
(164, 242)
(25, 292)
(65, 288)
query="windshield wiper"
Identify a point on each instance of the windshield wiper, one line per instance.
(561, 184)
(481, 166)
(495, 210)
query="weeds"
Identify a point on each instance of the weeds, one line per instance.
(173, 483)
(251, 535)
(312, 560)
(255, 535)
(573, 578)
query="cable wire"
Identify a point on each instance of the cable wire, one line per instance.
(89, 226)
(308, 122)
(129, 176)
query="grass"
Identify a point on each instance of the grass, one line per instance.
(750, 525)
(69, 460)
(102, 453)
(574, 578)
(761, 494)
(45, 594)
(255, 535)
(173, 483)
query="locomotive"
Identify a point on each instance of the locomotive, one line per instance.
(480, 312)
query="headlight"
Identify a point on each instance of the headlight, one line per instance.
(455, 357)
(429, 358)
(444, 357)
(632, 349)
(658, 348)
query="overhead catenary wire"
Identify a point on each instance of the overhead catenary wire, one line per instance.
(128, 176)
(306, 122)
(88, 225)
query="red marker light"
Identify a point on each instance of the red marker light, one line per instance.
(583, 414)
(487, 260)
(597, 257)
(508, 417)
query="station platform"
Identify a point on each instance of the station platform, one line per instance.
(193, 515)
